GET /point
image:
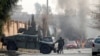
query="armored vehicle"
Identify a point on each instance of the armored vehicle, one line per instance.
(47, 44)
(21, 41)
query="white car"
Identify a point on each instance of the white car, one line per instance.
(96, 46)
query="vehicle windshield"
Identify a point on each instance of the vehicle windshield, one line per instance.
(47, 39)
(97, 40)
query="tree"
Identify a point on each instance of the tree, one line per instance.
(96, 16)
(96, 20)
(5, 7)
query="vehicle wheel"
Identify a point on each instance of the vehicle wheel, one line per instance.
(94, 53)
(45, 49)
(11, 45)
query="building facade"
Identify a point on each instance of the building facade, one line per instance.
(11, 27)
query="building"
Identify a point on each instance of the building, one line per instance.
(11, 27)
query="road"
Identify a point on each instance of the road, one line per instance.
(70, 52)
(59, 55)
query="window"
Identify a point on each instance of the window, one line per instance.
(97, 40)
(47, 39)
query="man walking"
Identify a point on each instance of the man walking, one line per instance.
(60, 42)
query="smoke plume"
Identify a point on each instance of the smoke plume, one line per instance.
(71, 18)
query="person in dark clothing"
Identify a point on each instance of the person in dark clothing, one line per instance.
(2, 40)
(60, 42)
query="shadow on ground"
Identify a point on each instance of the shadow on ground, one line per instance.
(9, 53)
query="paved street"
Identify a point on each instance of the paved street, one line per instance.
(70, 52)
(58, 55)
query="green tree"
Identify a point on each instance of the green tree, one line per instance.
(5, 7)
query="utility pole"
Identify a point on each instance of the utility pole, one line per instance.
(47, 30)
(47, 7)
(45, 24)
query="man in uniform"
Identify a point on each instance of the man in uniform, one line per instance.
(60, 42)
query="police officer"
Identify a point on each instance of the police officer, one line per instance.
(60, 42)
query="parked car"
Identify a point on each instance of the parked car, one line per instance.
(71, 45)
(96, 46)
(89, 42)
(47, 45)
